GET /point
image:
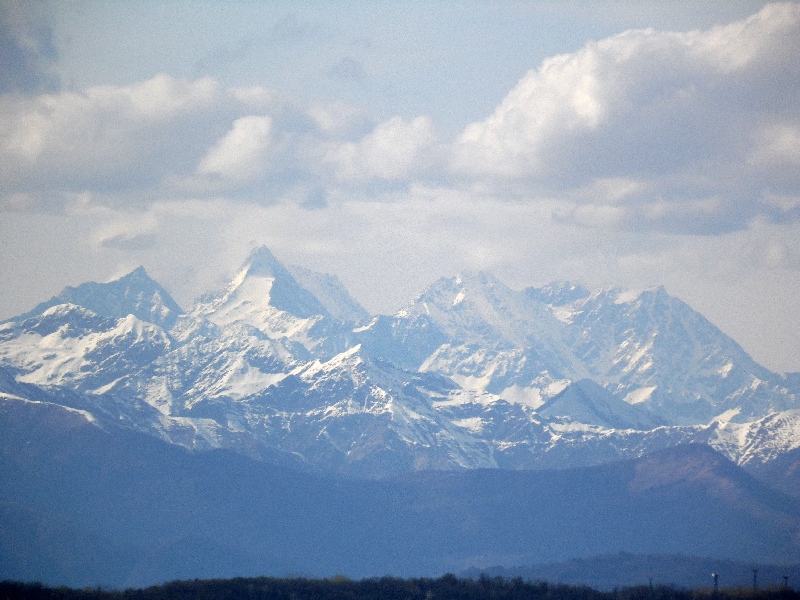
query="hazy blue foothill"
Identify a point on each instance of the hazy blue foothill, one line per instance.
(123, 509)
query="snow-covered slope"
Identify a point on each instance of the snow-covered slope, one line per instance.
(283, 365)
(653, 350)
(331, 294)
(497, 339)
(69, 345)
(134, 294)
(263, 294)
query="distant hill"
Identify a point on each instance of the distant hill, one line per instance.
(85, 505)
(624, 570)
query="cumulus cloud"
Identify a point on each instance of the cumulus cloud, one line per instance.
(105, 137)
(697, 125)
(777, 145)
(339, 119)
(180, 138)
(241, 154)
(695, 132)
(395, 150)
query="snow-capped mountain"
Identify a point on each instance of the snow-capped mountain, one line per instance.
(283, 365)
(652, 349)
(588, 402)
(134, 294)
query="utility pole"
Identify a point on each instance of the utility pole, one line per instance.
(755, 579)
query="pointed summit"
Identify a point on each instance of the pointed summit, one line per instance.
(138, 274)
(263, 283)
(482, 307)
(587, 402)
(133, 294)
(262, 263)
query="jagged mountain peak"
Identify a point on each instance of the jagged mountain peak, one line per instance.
(624, 296)
(330, 291)
(541, 376)
(479, 304)
(262, 263)
(587, 402)
(138, 274)
(261, 285)
(133, 294)
(476, 289)
(558, 293)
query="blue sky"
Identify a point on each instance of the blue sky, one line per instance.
(609, 143)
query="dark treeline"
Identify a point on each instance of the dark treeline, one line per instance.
(447, 587)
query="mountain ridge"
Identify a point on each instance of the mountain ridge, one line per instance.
(151, 511)
(135, 293)
(471, 374)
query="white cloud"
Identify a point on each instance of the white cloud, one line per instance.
(337, 118)
(700, 123)
(242, 153)
(395, 150)
(166, 136)
(104, 137)
(684, 132)
(778, 145)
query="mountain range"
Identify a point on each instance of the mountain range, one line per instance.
(276, 426)
(282, 364)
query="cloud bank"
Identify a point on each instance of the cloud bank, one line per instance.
(688, 131)
(694, 132)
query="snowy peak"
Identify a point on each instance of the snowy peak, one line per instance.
(66, 319)
(474, 305)
(586, 402)
(262, 263)
(331, 293)
(263, 283)
(71, 345)
(649, 347)
(134, 294)
(285, 293)
(481, 312)
(557, 294)
(471, 374)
